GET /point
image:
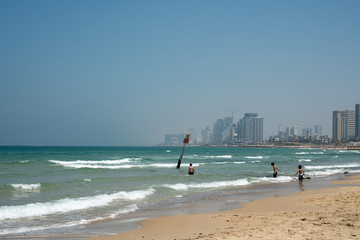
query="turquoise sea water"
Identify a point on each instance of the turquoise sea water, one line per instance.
(47, 191)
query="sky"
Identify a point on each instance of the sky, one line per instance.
(119, 73)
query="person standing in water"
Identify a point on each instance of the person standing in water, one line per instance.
(275, 169)
(191, 169)
(301, 173)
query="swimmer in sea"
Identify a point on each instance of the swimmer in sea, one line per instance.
(275, 169)
(191, 169)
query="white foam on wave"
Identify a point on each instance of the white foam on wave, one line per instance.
(102, 162)
(280, 179)
(26, 187)
(326, 172)
(220, 163)
(219, 184)
(208, 157)
(333, 166)
(255, 161)
(127, 209)
(304, 160)
(255, 157)
(308, 153)
(69, 204)
(99, 165)
(221, 156)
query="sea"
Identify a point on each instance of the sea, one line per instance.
(83, 192)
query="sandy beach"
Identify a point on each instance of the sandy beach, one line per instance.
(329, 213)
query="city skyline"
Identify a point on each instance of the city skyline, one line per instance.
(346, 127)
(119, 73)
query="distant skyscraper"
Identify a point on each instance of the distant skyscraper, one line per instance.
(318, 130)
(307, 133)
(350, 124)
(250, 128)
(357, 121)
(292, 131)
(339, 126)
(218, 131)
(206, 136)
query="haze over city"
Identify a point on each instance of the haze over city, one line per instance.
(127, 73)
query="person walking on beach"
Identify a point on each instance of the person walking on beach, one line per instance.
(275, 169)
(191, 169)
(301, 173)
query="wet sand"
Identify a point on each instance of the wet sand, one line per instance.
(326, 213)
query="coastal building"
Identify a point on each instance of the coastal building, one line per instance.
(218, 130)
(318, 130)
(229, 131)
(292, 132)
(206, 136)
(357, 121)
(250, 129)
(339, 126)
(307, 133)
(350, 124)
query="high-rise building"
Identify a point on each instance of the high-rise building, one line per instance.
(307, 133)
(357, 121)
(339, 126)
(206, 136)
(250, 128)
(318, 130)
(218, 130)
(350, 124)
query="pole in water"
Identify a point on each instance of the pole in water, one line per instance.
(186, 141)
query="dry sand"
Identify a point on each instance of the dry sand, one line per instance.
(331, 213)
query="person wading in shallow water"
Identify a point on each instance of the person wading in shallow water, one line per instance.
(275, 169)
(301, 173)
(191, 169)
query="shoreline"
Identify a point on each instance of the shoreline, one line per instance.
(293, 216)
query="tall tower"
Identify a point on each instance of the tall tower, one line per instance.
(339, 126)
(350, 124)
(250, 128)
(218, 130)
(357, 121)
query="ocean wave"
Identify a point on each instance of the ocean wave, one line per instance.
(332, 166)
(255, 157)
(127, 209)
(220, 163)
(326, 172)
(26, 187)
(207, 157)
(304, 160)
(279, 179)
(102, 162)
(255, 161)
(69, 204)
(87, 164)
(218, 184)
(308, 153)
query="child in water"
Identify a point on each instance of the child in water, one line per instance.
(301, 173)
(275, 169)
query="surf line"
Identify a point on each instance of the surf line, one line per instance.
(186, 141)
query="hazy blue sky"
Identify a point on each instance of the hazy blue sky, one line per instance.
(128, 72)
